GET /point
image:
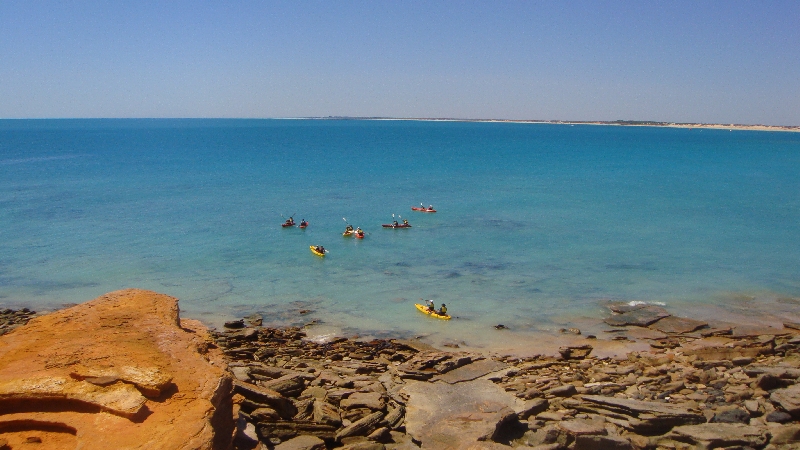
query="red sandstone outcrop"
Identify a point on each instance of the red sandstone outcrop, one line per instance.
(122, 371)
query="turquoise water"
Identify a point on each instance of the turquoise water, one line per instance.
(538, 224)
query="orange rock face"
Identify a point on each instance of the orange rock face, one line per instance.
(122, 371)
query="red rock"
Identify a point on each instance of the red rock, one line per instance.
(138, 337)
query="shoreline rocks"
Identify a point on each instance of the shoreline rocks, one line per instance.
(708, 389)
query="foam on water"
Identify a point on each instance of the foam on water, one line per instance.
(538, 225)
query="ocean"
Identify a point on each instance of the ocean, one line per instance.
(538, 225)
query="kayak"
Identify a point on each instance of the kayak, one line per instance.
(314, 250)
(417, 208)
(391, 225)
(348, 233)
(424, 309)
(302, 225)
(284, 225)
(360, 235)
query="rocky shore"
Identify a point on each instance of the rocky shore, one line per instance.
(699, 387)
(125, 371)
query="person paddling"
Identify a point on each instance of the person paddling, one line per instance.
(443, 310)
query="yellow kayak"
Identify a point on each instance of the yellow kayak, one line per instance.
(424, 309)
(314, 250)
(347, 233)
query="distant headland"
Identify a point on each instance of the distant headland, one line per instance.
(624, 123)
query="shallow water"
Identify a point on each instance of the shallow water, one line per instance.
(538, 224)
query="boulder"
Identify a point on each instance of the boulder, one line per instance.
(778, 417)
(164, 369)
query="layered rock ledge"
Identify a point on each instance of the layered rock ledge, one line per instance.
(122, 371)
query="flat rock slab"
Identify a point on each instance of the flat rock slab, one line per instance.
(788, 398)
(641, 317)
(455, 416)
(674, 324)
(714, 435)
(472, 371)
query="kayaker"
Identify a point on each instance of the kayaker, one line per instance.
(430, 207)
(290, 221)
(431, 306)
(395, 223)
(320, 249)
(349, 228)
(405, 222)
(303, 223)
(443, 310)
(358, 230)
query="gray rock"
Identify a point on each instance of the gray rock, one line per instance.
(441, 415)
(788, 399)
(778, 417)
(472, 371)
(241, 373)
(731, 415)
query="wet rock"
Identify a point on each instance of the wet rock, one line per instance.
(575, 351)
(641, 317)
(234, 324)
(255, 320)
(677, 325)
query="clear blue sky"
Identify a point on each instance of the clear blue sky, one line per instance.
(721, 61)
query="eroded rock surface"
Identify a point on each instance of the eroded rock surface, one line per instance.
(120, 371)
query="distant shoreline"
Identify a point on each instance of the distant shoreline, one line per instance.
(623, 123)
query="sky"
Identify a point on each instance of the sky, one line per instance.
(675, 61)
